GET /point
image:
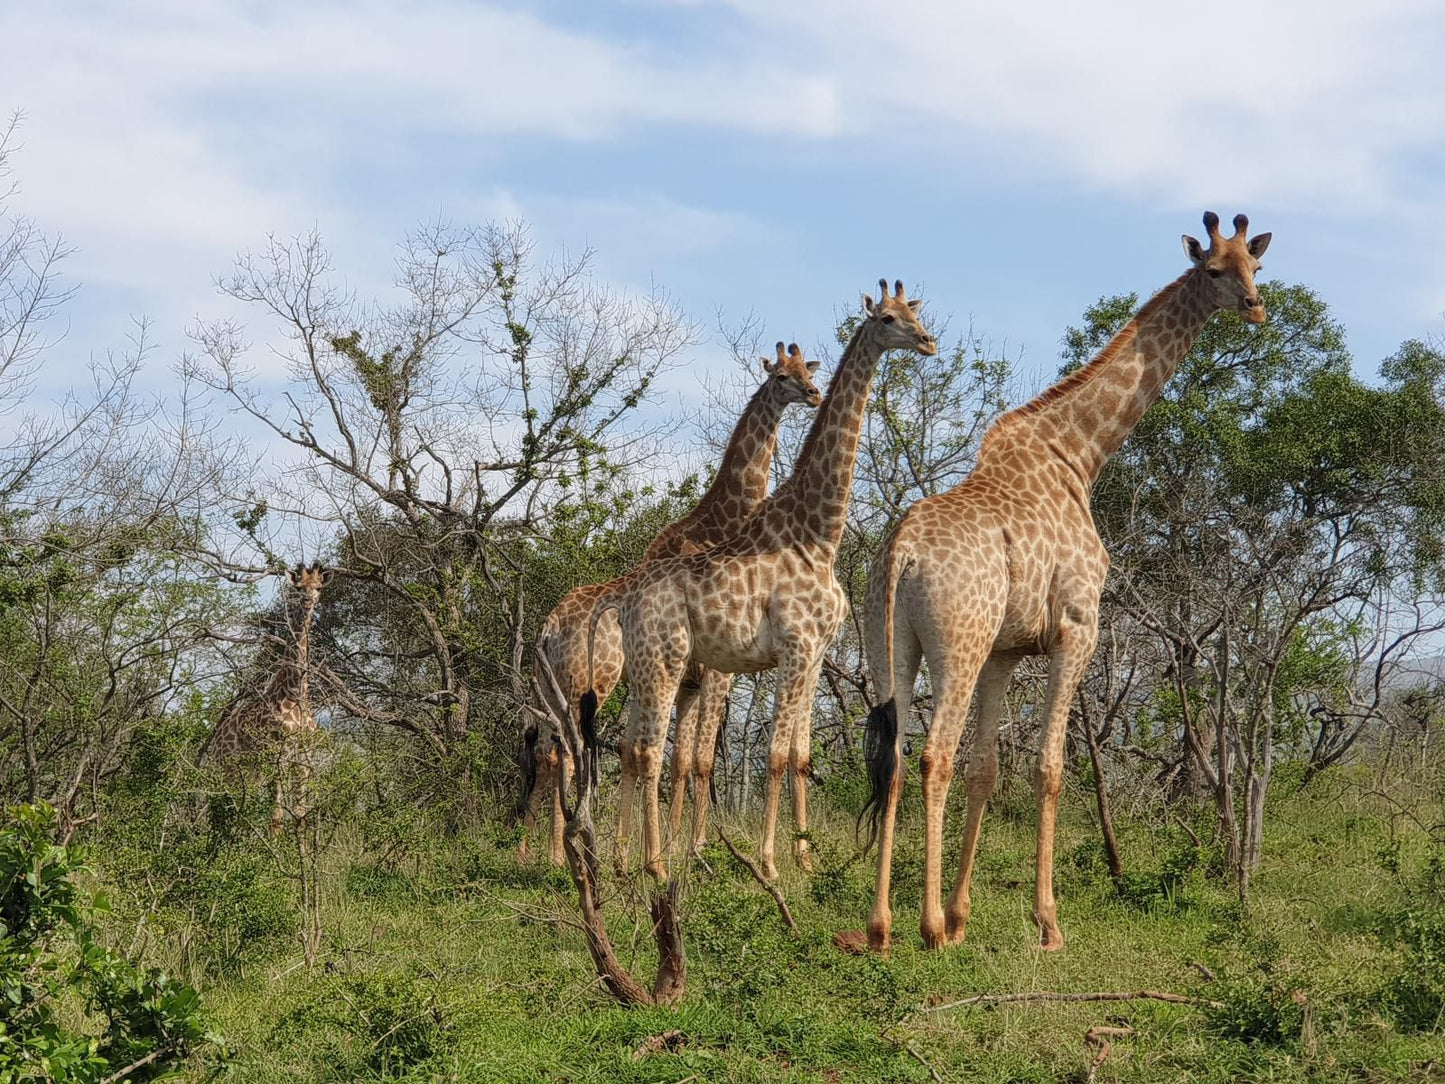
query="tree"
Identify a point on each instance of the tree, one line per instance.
(1266, 501)
(437, 442)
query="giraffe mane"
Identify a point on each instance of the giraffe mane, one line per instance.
(1122, 339)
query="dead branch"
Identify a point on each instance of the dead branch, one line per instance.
(772, 889)
(579, 844)
(1054, 995)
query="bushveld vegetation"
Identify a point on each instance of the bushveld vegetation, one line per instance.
(1254, 814)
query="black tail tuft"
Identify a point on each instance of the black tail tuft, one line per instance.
(527, 761)
(880, 754)
(587, 710)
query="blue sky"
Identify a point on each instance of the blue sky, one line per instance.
(1011, 162)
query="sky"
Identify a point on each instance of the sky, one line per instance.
(1010, 162)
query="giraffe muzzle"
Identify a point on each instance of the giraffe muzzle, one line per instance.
(1252, 309)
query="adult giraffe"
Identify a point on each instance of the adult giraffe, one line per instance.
(1009, 563)
(738, 488)
(766, 598)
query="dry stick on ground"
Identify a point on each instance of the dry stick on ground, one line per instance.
(1099, 1036)
(1053, 995)
(771, 888)
(579, 844)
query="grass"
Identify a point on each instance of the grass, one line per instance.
(452, 965)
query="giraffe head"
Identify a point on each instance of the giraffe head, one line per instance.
(897, 320)
(309, 581)
(791, 376)
(1231, 264)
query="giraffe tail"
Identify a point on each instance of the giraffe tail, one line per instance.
(527, 762)
(880, 740)
(587, 706)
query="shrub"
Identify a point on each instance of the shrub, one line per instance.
(50, 955)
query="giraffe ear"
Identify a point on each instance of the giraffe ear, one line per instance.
(292, 578)
(916, 304)
(813, 366)
(768, 366)
(868, 304)
(326, 575)
(1257, 245)
(1193, 250)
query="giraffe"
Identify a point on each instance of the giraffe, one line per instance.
(766, 598)
(1009, 563)
(277, 718)
(739, 487)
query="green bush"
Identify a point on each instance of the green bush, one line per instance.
(379, 1024)
(50, 957)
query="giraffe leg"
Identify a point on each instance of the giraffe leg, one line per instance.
(653, 697)
(560, 780)
(278, 805)
(683, 745)
(541, 787)
(979, 779)
(626, 799)
(1066, 668)
(792, 699)
(712, 702)
(801, 761)
(880, 920)
(953, 686)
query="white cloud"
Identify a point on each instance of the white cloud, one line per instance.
(1290, 100)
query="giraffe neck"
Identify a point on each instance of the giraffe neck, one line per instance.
(303, 654)
(812, 505)
(742, 478)
(1088, 415)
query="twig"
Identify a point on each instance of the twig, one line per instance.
(772, 889)
(1209, 975)
(1099, 1036)
(139, 1064)
(1052, 995)
(908, 1048)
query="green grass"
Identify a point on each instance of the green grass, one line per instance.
(454, 965)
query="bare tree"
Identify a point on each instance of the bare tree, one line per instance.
(432, 442)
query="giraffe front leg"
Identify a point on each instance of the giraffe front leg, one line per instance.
(801, 760)
(1066, 669)
(683, 746)
(559, 780)
(712, 702)
(626, 799)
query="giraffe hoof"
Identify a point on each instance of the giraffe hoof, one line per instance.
(933, 938)
(1051, 940)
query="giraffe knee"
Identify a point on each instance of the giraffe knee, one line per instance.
(937, 767)
(648, 762)
(703, 765)
(982, 775)
(777, 763)
(1049, 778)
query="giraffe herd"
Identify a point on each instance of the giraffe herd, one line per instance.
(1006, 564)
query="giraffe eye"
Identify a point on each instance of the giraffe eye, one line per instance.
(888, 319)
(1214, 272)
